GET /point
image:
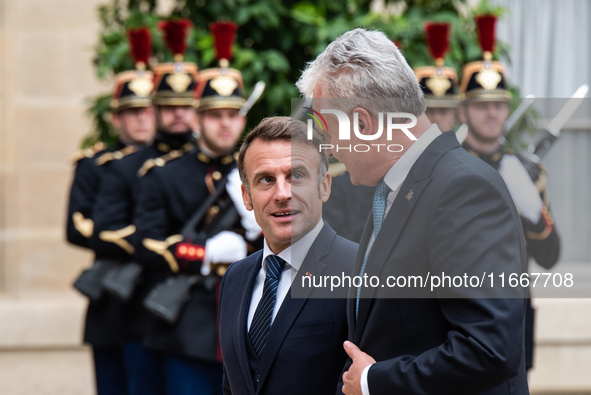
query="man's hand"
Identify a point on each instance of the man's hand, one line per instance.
(352, 377)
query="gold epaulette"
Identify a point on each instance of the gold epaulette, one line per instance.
(83, 225)
(160, 247)
(336, 169)
(115, 155)
(160, 161)
(88, 152)
(118, 236)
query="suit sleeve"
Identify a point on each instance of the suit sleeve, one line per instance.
(80, 224)
(114, 210)
(227, 390)
(472, 229)
(226, 384)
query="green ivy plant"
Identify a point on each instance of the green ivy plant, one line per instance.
(275, 39)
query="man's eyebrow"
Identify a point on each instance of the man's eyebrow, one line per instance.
(301, 168)
(260, 174)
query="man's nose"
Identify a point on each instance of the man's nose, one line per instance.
(179, 111)
(282, 190)
(225, 120)
(493, 110)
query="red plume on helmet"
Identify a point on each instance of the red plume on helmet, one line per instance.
(140, 43)
(437, 39)
(175, 35)
(486, 32)
(224, 34)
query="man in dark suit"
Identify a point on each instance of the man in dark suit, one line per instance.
(436, 211)
(272, 341)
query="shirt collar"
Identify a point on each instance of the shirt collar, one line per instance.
(399, 171)
(302, 246)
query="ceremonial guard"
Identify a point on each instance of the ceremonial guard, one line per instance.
(173, 87)
(134, 119)
(191, 224)
(485, 109)
(439, 83)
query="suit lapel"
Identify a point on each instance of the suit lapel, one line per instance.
(291, 307)
(367, 231)
(408, 196)
(240, 332)
(383, 245)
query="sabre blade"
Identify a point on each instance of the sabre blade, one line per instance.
(568, 110)
(519, 111)
(258, 90)
(462, 133)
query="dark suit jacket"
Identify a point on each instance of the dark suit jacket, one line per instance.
(452, 214)
(304, 352)
(348, 207)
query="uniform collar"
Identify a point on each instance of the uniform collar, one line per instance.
(208, 157)
(493, 158)
(166, 142)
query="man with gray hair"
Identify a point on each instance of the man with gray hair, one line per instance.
(437, 211)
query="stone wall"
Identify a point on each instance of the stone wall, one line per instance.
(45, 75)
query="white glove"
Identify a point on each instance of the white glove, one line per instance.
(225, 247)
(523, 191)
(247, 219)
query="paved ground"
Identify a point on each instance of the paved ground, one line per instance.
(46, 372)
(39, 353)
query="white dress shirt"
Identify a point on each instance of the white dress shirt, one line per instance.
(292, 265)
(394, 179)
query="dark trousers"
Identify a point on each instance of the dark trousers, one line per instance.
(110, 372)
(145, 370)
(191, 377)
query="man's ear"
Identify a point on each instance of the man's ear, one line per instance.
(243, 120)
(194, 122)
(325, 185)
(364, 121)
(116, 120)
(246, 198)
(462, 113)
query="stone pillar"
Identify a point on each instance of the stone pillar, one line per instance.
(46, 72)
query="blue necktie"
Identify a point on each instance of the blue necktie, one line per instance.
(379, 208)
(263, 315)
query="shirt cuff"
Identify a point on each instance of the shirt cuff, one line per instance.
(364, 384)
